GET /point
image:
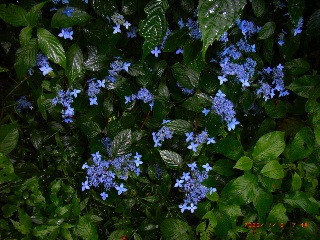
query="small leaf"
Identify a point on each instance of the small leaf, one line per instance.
(121, 143)
(34, 14)
(9, 136)
(269, 146)
(267, 30)
(25, 36)
(91, 129)
(51, 47)
(36, 139)
(171, 159)
(74, 64)
(258, 7)
(297, 66)
(61, 20)
(6, 170)
(273, 170)
(187, 77)
(295, 8)
(278, 214)
(2, 69)
(296, 182)
(244, 163)
(14, 15)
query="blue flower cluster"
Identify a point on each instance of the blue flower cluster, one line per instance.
(162, 134)
(297, 29)
(65, 98)
(66, 33)
(43, 64)
(144, 95)
(116, 66)
(118, 20)
(23, 103)
(157, 50)
(224, 108)
(191, 183)
(199, 139)
(192, 25)
(184, 90)
(94, 90)
(133, 32)
(277, 75)
(247, 28)
(106, 172)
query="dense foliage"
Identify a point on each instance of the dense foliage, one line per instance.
(159, 119)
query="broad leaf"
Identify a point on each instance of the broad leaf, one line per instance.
(278, 215)
(121, 143)
(51, 47)
(269, 146)
(25, 36)
(91, 129)
(74, 64)
(9, 136)
(273, 170)
(295, 8)
(171, 159)
(297, 66)
(61, 20)
(303, 85)
(224, 167)
(14, 15)
(296, 182)
(34, 14)
(229, 147)
(267, 30)
(244, 163)
(216, 17)
(262, 202)
(258, 7)
(187, 77)
(175, 229)
(179, 126)
(300, 200)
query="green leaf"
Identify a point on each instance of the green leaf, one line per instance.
(2, 69)
(51, 47)
(121, 143)
(216, 17)
(244, 163)
(154, 27)
(175, 229)
(118, 234)
(175, 40)
(297, 66)
(267, 30)
(262, 202)
(276, 108)
(171, 159)
(26, 58)
(229, 147)
(269, 146)
(241, 191)
(95, 62)
(36, 139)
(302, 145)
(273, 170)
(74, 64)
(6, 170)
(25, 36)
(25, 224)
(224, 167)
(14, 15)
(258, 7)
(295, 8)
(85, 228)
(179, 126)
(9, 136)
(34, 14)
(303, 85)
(8, 209)
(187, 77)
(211, 217)
(61, 20)
(296, 182)
(313, 26)
(300, 200)
(197, 102)
(278, 215)
(91, 129)
(104, 8)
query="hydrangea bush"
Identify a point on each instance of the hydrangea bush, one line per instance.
(159, 119)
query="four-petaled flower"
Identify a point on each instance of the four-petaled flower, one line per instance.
(192, 207)
(207, 167)
(104, 195)
(93, 101)
(211, 140)
(189, 136)
(128, 99)
(192, 166)
(222, 79)
(232, 124)
(127, 24)
(183, 207)
(193, 146)
(68, 11)
(116, 29)
(121, 189)
(156, 52)
(179, 183)
(126, 66)
(75, 92)
(101, 83)
(85, 185)
(205, 111)
(179, 51)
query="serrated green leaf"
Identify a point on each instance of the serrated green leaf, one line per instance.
(118, 234)
(297, 66)
(171, 159)
(34, 14)
(61, 20)
(25, 224)
(153, 28)
(273, 169)
(175, 229)
(216, 17)
(197, 102)
(278, 214)
(267, 30)
(241, 191)
(211, 217)
(95, 63)
(104, 8)
(269, 146)
(187, 77)
(9, 136)
(26, 58)
(85, 228)
(179, 126)
(121, 143)
(25, 36)
(163, 93)
(244, 163)
(175, 40)
(258, 7)
(262, 202)
(300, 200)
(91, 129)
(303, 85)
(229, 147)
(74, 64)
(51, 47)
(14, 15)
(224, 167)
(296, 182)
(6, 170)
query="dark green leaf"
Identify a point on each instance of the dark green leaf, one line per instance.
(6, 170)
(95, 63)
(297, 66)
(2, 69)
(171, 159)
(295, 8)
(313, 27)
(14, 15)
(85, 228)
(269, 146)
(244, 163)
(175, 40)
(9, 136)
(216, 17)
(276, 108)
(91, 129)
(74, 64)
(25, 36)
(187, 77)
(224, 167)
(278, 215)
(267, 30)
(303, 85)
(121, 143)
(36, 139)
(258, 7)
(104, 8)
(34, 14)
(273, 170)
(61, 20)
(300, 200)
(262, 202)
(175, 229)
(179, 126)
(51, 47)
(229, 147)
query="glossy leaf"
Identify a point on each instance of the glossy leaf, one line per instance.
(273, 170)
(6, 170)
(25, 36)
(74, 64)
(9, 136)
(14, 15)
(303, 85)
(34, 14)
(174, 229)
(267, 30)
(61, 20)
(229, 147)
(187, 77)
(244, 163)
(121, 143)
(258, 7)
(296, 182)
(91, 129)
(297, 66)
(171, 159)
(179, 126)
(104, 8)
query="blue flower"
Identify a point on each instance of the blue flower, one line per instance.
(297, 29)
(116, 29)
(179, 51)
(126, 66)
(207, 167)
(121, 189)
(156, 51)
(232, 124)
(66, 33)
(85, 185)
(189, 136)
(193, 146)
(184, 207)
(126, 24)
(178, 183)
(192, 207)
(192, 166)
(75, 92)
(93, 101)
(205, 111)
(211, 140)
(45, 69)
(212, 190)
(104, 195)
(222, 79)
(68, 11)
(128, 99)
